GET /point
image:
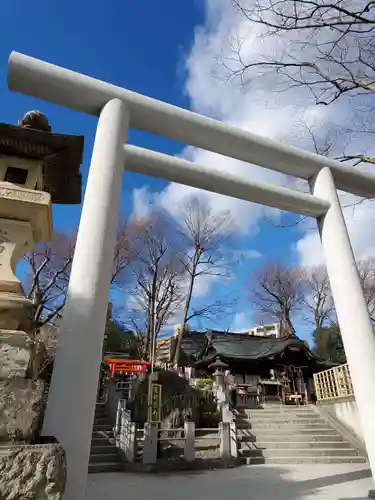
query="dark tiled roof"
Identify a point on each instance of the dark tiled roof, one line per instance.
(251, 347)
(205, 347)
(61, 155)
(193, 346)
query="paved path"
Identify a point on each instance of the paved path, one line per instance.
(290, 482)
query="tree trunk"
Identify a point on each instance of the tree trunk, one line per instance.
(176, 354)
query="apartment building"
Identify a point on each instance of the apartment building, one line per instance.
(270, 330)
(165, 347)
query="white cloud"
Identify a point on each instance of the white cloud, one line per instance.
(361, 228)
(143, 201)
(244, 255)
(262, 110)
(241, 323)
(255, 111)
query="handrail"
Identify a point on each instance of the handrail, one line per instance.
(333, 383)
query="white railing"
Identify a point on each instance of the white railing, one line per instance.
(121, 410)
(333, 383)
(125, 386)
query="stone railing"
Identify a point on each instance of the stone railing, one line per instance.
(118, 391)
(188, 440)
(333, 383)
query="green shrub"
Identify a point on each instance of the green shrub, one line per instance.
(208, 415)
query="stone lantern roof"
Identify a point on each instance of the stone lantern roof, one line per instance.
(60, 154)
(218, 365)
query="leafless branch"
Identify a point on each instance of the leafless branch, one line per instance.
(276, 292)
(329, 45)
(317, 302)
(204, 233)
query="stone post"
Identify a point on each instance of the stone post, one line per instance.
(150, 443)
(189, 448)
(121, 405)
(30, 466)
(233, 440)
(225, 452)
(127, 441)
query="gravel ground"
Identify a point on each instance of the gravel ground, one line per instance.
(263, 482)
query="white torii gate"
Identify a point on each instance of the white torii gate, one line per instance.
(71, 404)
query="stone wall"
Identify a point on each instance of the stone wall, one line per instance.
(30, 466)
(342, 413)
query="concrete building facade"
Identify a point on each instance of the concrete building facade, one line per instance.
(269, 330)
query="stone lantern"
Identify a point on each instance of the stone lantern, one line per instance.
(219, 368)
(37, 168)
(220, 389)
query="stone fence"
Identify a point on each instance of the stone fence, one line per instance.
(144, 445)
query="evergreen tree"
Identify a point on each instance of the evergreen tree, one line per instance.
(328, 343)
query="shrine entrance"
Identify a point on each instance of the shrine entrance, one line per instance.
(73, 387)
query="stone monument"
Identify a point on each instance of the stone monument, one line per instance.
(37, 168)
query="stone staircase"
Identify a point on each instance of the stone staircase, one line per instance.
(103, 455)
(291, 435)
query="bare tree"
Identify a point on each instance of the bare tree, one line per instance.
(49, 266)
(136, 320)
(328, 46)
(204, 233)
(46, 284)
(366, 270)
(124, 251)
(48, 277)
(317, 302)
(158, 286)
(276, 293)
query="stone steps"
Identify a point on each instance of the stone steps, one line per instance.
(103, 452)
(285, 431)
(246, 436)
(270, 414)
(102, 420)
(104, 448)
(300, 453)
(102, 434)
(102, 427)
(97, 468)
(103, 457)
(304, 460)
(290, 427)
(294, 445)
(280, 417)
(100, 439)
(284, 435)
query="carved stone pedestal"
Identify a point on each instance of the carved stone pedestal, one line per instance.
(21, 410)
(32, 471)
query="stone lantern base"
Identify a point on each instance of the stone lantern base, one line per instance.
(32, 471)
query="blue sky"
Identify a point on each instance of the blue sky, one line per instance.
(162, 49)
